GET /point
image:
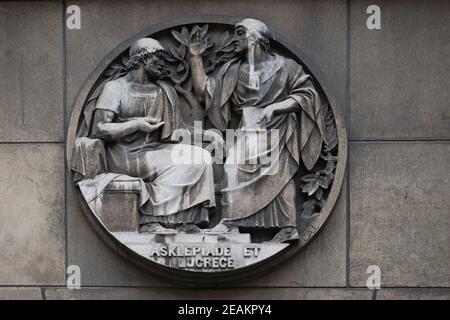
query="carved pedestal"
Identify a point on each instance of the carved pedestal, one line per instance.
(200, 252)
(120, 206)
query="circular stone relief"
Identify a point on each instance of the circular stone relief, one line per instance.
(206, 149)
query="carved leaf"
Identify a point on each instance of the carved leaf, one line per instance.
(180, 67)
(182, 51)
(330, 167)
(119, 74)
(180, 37)
(227, 49)
(329, 119)
(228, 56)
(124, 60)
(309, 209)
(114, 69)
(319, 194)
(309, 177)
(310, 203)
(174, 53)
(224, 39)
(324, 181)
(323, 175)
(170, 58)
(185, 34)
(328, 157)
(97, 91)
(204, 31)
(331, 145)
(311, 187)
(194, 29)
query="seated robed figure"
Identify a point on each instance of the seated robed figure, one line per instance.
(135, 116)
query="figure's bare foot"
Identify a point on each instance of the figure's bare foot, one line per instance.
(188, 228)
(286, 234)
(157, 228)
(222, 228)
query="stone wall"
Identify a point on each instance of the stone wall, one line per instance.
(391, 85)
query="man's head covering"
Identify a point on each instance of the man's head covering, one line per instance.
(255, 28)
(145, 46)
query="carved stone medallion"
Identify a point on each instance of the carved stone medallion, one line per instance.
(207, 148)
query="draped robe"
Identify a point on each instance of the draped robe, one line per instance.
(250, 196)
(174, 191)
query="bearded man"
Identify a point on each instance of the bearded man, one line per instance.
(270, 93)
(135, 116)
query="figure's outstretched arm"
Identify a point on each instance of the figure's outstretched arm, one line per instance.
(196, 49)
(104, 128)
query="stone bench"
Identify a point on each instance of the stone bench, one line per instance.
(120, 209)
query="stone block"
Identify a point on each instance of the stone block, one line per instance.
(414, 294)
(210, 294)
(321, 263)
(399, 209)
(31, 60)
(20, 293)
(119, 210)
(100, 265)
(32, 214)
(400, 73)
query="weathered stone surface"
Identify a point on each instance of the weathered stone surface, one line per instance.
(112, 211)
(32, 214)
(224, 255)
(413, 294)
(23, 293)
(321, 263)
(310, 25)
(400, 74)
(31, 60)
(100, 265)
(317, 28)
(210, 294)
(399, 208)
(180, 238)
